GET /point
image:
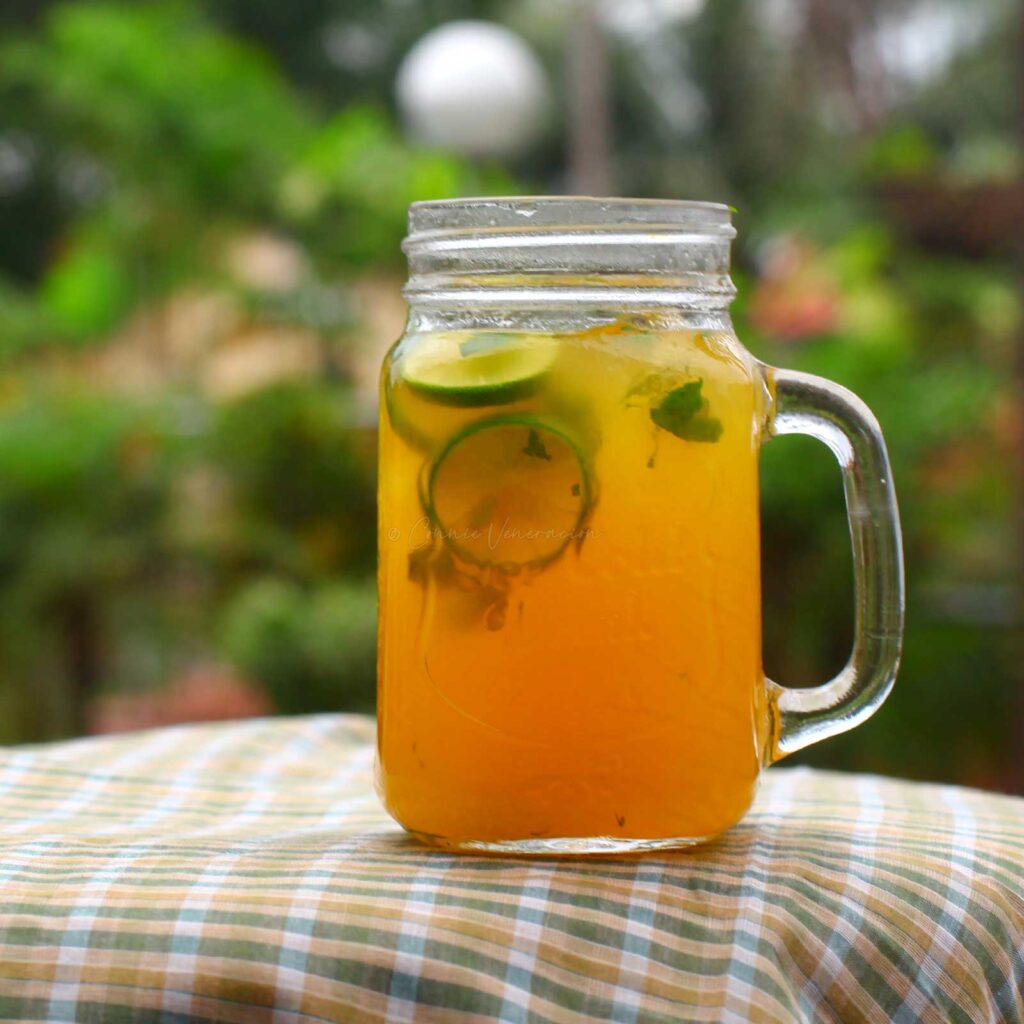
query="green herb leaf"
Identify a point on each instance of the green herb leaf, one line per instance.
(535, 447)
(702, 428)
(426, 561)
(683, 412)
(650, 386)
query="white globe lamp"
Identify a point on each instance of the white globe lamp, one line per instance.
(475, 88)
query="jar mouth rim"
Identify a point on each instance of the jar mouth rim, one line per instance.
(471, 214)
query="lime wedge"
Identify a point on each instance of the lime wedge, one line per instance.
(509, 493)
(487, 368)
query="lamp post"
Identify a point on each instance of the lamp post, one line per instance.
(589, 128)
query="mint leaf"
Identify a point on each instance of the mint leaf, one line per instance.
(683, 412)
(426, 561)
(679, 405)
(702, 428)
(535, 447)
(649, 386)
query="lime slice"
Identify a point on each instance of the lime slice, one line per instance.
(509, 493)
(406, 425)
(487, 368)
(421, 422)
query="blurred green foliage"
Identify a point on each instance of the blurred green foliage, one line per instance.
(312, 649)
(303, 480)
(152, 517)
(83, 485)
(168, 135)
(937, 373)
(159, 138)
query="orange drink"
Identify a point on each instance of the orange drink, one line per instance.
(570, 575)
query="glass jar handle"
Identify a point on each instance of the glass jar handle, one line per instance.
(805, 404)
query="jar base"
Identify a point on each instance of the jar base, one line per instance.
(567, 846)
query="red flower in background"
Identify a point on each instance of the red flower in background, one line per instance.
(206, 694)
(796, 296)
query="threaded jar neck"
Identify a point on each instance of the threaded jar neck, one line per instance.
(554, 251)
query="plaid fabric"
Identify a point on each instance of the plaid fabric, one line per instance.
(246, 872)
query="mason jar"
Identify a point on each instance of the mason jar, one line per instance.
(570, 601)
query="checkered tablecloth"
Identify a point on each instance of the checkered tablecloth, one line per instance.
(245, 872)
